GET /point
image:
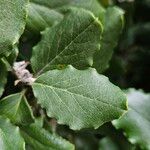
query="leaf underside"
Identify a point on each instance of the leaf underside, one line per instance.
(41, 17)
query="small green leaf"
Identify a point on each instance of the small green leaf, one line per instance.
(113, 25)
(80, 99)
(73, 41)
(41, 17)
(136, 122)
(3, 76)
(10, 138)
(16, 108)
(39, 138)
(12, 23)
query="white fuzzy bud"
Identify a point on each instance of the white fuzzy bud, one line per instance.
(22, 73)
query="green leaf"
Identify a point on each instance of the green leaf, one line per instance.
(10, 138)
(80, 99)
(41, 17)
(39, 138)
(91, 5)
(113, 25)
(16, 108)
(136, 122)
(52, 3)
(12, 23)
(43, 13)
(60, 5)
(73, 41)
(3, 76)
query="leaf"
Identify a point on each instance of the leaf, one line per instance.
(80, 99)
(10, 138)
(91, 5)
(113, 25)
(3, 76)
(52, 3)
(16, 108)
(73, 41)
(136, 122)
(39, 138)
(60, 5)
(41, 17)
(45, 13)
(12, 23)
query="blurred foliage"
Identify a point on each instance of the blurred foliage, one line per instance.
(130, 64)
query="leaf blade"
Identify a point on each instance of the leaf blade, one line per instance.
(61, 5)
(113, 24)
(11, 141)
(16, 108)
(80, 99)
(12, 23)
(136, 122)
(37, 137)
(73, 41)
(41, 17)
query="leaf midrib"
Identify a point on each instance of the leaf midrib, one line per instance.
(65, 90)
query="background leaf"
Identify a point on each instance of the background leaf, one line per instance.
(37, 137)
(10, 136)
(136, 122)
(80, 99)
(113, 25)
(60, 5)
(41, 17)
(16, 108)
(3, 76)
(46, 13)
